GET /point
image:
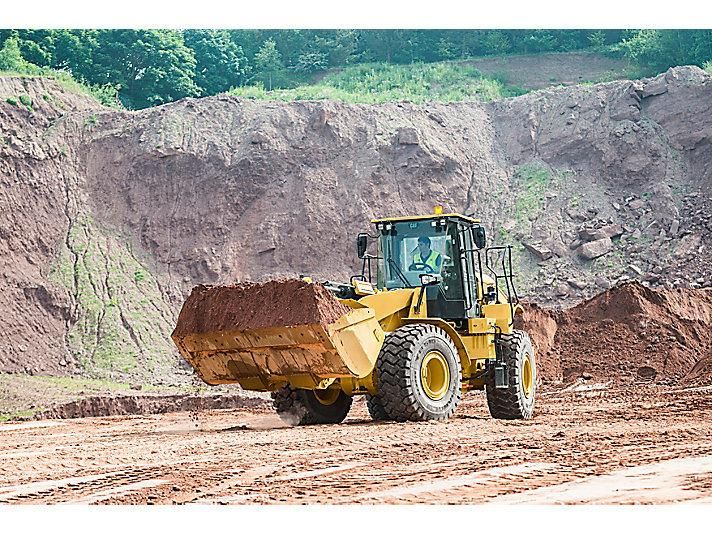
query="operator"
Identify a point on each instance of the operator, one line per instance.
(426, 259)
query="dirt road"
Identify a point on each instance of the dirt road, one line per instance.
(586, 444)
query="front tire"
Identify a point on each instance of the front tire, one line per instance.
(375, 408)
(305, 407)
(418, 374)
(517, 400)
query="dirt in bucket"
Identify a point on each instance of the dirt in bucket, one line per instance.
(249, 306)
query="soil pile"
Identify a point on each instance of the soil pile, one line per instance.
(250, 306)
(541, 325)
(148, 404)
(625, 334)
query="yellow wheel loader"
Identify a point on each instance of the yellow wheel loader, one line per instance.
(437, 321)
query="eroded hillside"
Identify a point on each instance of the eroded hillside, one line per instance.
(110, 217)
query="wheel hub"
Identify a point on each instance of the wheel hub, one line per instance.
(327, 396)
(435, 375)
(527, 378)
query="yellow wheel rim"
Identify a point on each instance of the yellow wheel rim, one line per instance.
(527, 377)
(435, 375)
(327, 396)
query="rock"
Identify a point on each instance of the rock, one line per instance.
(258, 138)
(561, 290)
(558, 249)
(591, 234)
(576, 284)
(510, 224)
(688, 245)
(612, 230)
(637, 234)
(674, 228)
(63, 362)
(408, 136)
(577, 214)
(656, 86)
(586, 376)
(595, 249)
(616, 206)
(136, 387)
(637, 270)
(602, 282)
(539, 250)
(636, 204)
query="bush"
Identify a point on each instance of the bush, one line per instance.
(11, 58)
(11, 101)
(26, 101)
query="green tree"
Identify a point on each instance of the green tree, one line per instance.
(268, 63)
(11, 57)
(657, 50)
(597, 39)
(74, 50)
(151, 67)
(495, 42)
(220, 63)
(312, 62)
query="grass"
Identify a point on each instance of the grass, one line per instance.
(105, 95)
(123, 328)
(534, 179)
(376, 83)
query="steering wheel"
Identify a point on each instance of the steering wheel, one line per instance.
(419, 266)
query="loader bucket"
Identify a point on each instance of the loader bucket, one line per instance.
(264, 335)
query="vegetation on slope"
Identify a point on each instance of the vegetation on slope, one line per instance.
(149, 67)
(381, 82)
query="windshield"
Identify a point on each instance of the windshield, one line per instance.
(410, 249)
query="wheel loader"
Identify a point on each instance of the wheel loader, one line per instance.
(436, 321)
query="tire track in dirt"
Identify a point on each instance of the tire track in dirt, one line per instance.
(243, 456)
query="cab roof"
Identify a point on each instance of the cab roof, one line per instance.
(464, 218)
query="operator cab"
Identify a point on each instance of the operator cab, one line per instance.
(441, 246)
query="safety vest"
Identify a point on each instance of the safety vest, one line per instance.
(432, 260)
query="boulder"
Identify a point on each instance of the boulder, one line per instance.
(541, 251)
(595, 249)
(611, 230)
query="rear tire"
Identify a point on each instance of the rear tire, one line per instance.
(303, 407)
(418, 374)
(517, 400)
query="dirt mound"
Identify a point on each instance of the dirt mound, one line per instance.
(541, 325)
(628, 333)
(249, 306)
(145, 404)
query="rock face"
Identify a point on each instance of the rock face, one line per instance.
(111, 217)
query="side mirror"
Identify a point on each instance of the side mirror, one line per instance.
(361, 244)
(480, 237)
